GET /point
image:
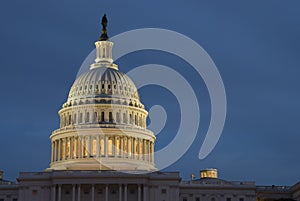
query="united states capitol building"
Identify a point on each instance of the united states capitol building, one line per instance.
(102, 151)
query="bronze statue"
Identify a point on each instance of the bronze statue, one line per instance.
(104, 36)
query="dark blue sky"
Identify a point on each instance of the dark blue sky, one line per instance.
(255, 45)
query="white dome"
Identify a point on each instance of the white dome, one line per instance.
(103, 83)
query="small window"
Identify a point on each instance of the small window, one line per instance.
(184, 199)
(163, 191)
(99, 191)
(228, 199)
(102, 86)
(197, 199)
(67, 192)
(241, 199)
(113, 191)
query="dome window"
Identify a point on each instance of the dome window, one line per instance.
(102, 116)
(111, 117)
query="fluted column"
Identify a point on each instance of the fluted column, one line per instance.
(59, 193)
(134, 145)
(115, 147)
(78, 148)
(89, 146)
(78, 192)
(73, 192)
(93, 192)
(106, 146)
(149, 151)
(59, 149)
(106, 192)
(53, 193)
(71, 148)
(98, 146)
(120, 192)
(139, 192)
(122, 147)
(63, 149)
(145, 193)
(152, 152)
(52, 152)
(74, 154)
(125, 192)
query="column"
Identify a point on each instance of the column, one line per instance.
(122, 146)
(52, 152)
(73, 192)
(106, 192)
(79, 147)
(125, 192)
(54, 193)
(78, 192)
(71, 148)
(59, 193)
(59, 150)
(74, 147)
(149, 152)
(89, 146)
(115, 147)
(144, 150)
(93, 192)
(55, 150)
(152, 152)
(120, 192)
(106, 146)
(139, 193)
(64, 149)
(145, 193)
(82, 145)
(98, 147)
(133, 147)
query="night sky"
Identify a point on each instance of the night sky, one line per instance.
(255, 45)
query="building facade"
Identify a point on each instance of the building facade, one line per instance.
(102, 150)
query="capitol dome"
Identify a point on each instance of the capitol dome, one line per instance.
(103, 122)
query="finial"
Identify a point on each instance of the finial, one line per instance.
(104, 36)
